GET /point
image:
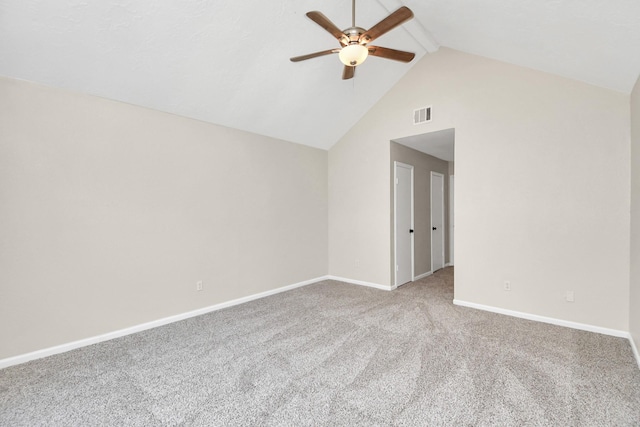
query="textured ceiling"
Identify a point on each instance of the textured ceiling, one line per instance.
(226, 61)
(594, 41)
(440, 144)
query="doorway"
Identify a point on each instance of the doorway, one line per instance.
(426, 153)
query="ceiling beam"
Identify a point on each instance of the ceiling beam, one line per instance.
(413, 27)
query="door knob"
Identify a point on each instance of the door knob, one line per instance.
(433, 228)
(410, 231)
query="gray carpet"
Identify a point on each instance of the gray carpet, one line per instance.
(336, 354)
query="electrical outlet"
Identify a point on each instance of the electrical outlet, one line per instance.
(569, 296)
(199, 285)
(507, 285)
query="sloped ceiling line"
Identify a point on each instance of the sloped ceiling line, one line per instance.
(227, 62)
(413, 27)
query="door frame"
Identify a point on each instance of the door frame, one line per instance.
(451, 217)
(397, 164)
(433, 270)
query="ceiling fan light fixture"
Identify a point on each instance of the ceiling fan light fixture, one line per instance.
(354, 41)
(353, 54)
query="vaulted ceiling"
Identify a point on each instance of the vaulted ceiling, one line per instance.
(227, 61)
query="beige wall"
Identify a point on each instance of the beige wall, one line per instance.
(423, 164)
(542, 187)
(110, 213)
(634, 304)
(359, 223)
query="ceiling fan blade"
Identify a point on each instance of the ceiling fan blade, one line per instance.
(387, 24)
(348, 72)
(385, 52)
(313, 55)
(329, 26)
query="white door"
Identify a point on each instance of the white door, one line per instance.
(403, 208)
(437, 221)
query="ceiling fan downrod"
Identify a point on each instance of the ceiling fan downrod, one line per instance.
(353, 13)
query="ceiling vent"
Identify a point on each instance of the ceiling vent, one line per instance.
(422, 115)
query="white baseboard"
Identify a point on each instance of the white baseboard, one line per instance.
(449, 264)
(360, 282)
(635, 350)
(551, 320)
(16, 360)
(423, 275)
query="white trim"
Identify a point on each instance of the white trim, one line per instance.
(423, 275)
(635, 350)
(16, 360)
(543, 319)
(361, 283)
(451, 218)
(395, 224)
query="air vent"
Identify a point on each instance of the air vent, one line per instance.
(422, 115)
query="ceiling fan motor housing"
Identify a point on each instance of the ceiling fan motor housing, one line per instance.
(353, 35)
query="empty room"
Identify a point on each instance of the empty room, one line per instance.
(371, 212)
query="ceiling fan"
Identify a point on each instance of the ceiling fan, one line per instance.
(354, 40)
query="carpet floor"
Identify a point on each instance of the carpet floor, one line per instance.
(336, 354)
